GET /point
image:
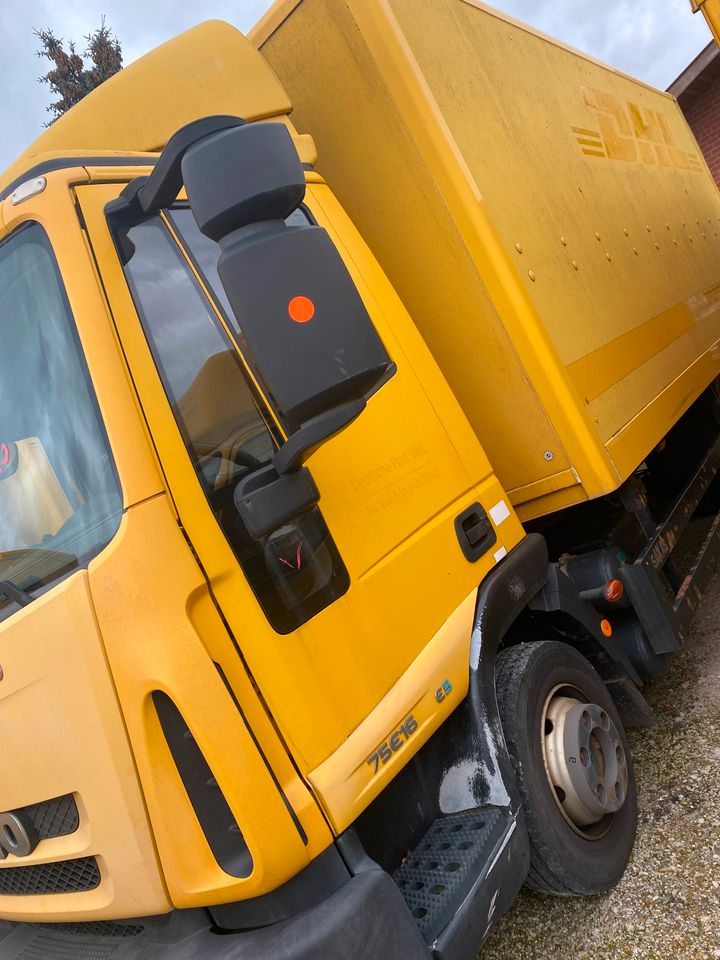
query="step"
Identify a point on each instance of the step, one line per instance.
(446, 866)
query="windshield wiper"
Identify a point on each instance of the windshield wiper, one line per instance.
(17, 594)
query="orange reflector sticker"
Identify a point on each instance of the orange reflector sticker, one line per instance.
(606, 628)
(301, 309)
(614, 589)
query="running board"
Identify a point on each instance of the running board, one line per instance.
(462, 876)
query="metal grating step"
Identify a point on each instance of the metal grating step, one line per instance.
(441, 871)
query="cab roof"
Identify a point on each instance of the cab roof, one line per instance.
(209, 69)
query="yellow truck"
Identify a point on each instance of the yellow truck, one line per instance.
(345, 467)
(711, 11)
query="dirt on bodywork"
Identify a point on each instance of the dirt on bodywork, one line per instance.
(667, 907)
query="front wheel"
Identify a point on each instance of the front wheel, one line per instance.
(573, 765)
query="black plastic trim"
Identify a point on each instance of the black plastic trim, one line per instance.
(161, 188)
(322, 877)
(214, 815)
(59, 877)
(365, 918)
(475, 532)
(65, 163)
(266, 501)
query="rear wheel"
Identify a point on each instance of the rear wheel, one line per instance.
(573, 765)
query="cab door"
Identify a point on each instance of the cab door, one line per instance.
(399, 490)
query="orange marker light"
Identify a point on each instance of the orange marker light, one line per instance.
(614, 589)
(301, 309)
(606, 628)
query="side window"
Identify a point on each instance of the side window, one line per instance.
(60, 500)
(224, 427)
(297, 571)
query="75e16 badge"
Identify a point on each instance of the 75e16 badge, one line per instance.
(400, 736)
(396, 741)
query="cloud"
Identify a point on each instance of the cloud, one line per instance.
(650, 39)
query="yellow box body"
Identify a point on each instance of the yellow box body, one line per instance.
(711, 12)
(549, 223)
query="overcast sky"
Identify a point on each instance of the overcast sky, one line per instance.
(652, 39)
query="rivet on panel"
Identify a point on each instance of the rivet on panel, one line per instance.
(608, 257)
(635, 250)
(597, 236)
(647, 227)
(683, 223)
(675, 242)
(531, 275)
(518, 247)
(575, 264)
(563, 241)
(625, 231)
(667, 226)
(657, 246)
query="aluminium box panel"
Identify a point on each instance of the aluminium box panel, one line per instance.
(548, 221)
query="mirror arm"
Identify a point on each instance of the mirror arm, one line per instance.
(161, 188)
(282, 491)
(301, 444)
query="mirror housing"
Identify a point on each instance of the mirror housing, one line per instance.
(305, 330)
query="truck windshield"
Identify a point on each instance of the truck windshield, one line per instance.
(60, 501)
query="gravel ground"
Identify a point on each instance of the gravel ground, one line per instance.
(667, 907)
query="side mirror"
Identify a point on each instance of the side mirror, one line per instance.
(306, 332)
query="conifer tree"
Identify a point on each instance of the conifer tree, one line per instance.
(71, 78)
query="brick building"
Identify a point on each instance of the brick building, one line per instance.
(698, 92)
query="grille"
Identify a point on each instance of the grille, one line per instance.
(53, 818)
(65, 876)
(96, 928)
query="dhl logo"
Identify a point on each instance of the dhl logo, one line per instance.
(631, 133)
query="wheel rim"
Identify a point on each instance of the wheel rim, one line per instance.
(585, 761)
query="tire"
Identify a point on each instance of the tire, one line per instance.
(565, 860)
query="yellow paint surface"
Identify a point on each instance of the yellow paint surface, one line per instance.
(548, 221)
